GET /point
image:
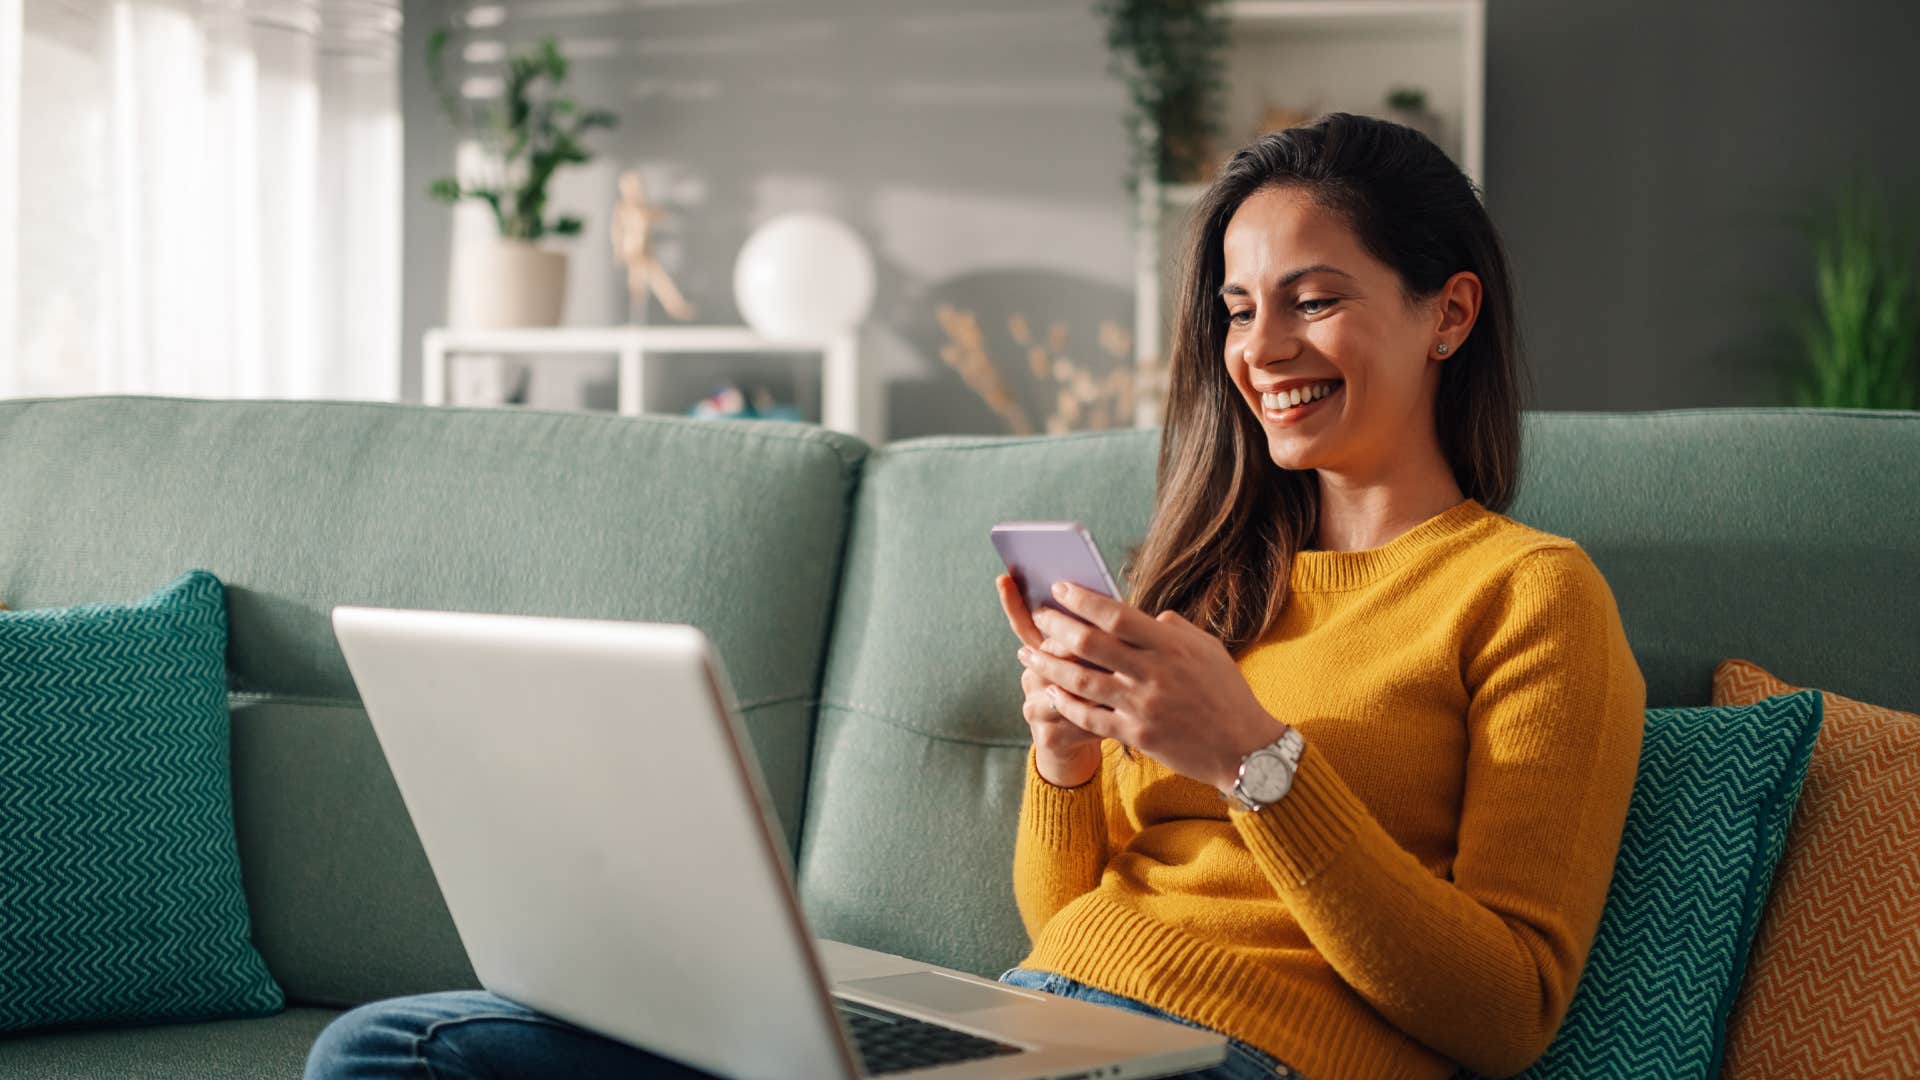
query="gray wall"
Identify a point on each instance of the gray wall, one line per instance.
(1641, 160)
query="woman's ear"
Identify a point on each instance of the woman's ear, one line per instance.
(1458, 306)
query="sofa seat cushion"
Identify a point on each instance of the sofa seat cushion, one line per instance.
(270, 1048)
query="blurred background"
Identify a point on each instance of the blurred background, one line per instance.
(964, 212)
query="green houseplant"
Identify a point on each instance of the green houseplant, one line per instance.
(1168, 54)
(528, 132)
(503, 276)
(1861, 335)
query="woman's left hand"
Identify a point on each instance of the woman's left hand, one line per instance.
(1175, 694)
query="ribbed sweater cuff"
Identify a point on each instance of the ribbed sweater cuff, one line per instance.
(1064, 819)
(1311, 824)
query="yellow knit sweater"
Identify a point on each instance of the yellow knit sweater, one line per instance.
(1427, 892)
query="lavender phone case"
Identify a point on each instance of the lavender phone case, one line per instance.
(1039, 553)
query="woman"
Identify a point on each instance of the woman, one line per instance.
(1333, 580)
(1437, 706)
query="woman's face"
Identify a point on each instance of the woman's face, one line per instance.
(1306, 304)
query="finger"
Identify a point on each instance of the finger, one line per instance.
(1096, 686)
(1116, 617)
(1037, 705)
(1089, 716)
(1038, 709)
(1071, 637)
(1015, 607)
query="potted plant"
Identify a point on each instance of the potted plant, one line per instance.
(505, 277)
(1861, 335)
(1408, 105)
(1168, 54)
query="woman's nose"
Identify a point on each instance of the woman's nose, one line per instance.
(1268, 341)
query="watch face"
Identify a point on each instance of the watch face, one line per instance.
(1267, 777)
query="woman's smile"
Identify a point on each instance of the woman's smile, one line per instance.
(1293, 414)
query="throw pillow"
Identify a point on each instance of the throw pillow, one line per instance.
(1709, 815)
(1833, 988)
(120, 895)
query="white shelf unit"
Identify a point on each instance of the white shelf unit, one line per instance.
(1327, 56)
(849, 398)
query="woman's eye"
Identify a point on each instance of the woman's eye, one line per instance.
(1236, 316)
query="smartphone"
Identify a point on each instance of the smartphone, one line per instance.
(1039, 553)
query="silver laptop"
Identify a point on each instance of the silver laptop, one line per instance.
(603, 838)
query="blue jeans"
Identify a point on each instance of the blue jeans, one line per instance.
(471, 1034)
(1243, 1062)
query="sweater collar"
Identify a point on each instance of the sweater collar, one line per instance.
(1329, 571)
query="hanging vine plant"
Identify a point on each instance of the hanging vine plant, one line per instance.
(1169, 55)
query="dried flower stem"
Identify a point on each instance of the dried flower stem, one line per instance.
(1082, 398)
(967, 354)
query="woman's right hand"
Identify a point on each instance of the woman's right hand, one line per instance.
(1065, 754)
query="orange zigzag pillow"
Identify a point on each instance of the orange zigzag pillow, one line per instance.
(1832, 986)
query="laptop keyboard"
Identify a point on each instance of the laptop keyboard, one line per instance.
(891, 1043)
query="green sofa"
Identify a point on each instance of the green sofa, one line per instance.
(849, 589)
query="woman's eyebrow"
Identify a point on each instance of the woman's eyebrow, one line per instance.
(1235, 289)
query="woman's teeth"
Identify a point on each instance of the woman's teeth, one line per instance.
(1299, 395)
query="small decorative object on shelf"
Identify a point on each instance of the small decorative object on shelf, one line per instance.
(503, 278)
(803, 275)
(1408, 105)
(632, 228)
(731, 402)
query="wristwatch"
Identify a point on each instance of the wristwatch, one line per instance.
(1267, 774)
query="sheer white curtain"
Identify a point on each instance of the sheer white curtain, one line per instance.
(205, 198)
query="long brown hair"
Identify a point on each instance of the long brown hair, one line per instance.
(1226, 520)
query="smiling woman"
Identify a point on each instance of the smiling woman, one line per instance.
(1351, 252)
(1351, 785)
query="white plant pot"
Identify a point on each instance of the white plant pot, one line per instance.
(496, 283)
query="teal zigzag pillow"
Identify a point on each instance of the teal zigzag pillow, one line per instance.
(1716, 791)
(120, 896)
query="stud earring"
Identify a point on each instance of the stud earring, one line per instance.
(1442, 348)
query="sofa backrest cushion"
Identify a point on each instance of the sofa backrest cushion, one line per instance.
(1787, 536)
(734, 526)
(919, 748)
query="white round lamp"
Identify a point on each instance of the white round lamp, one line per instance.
(803, 275)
